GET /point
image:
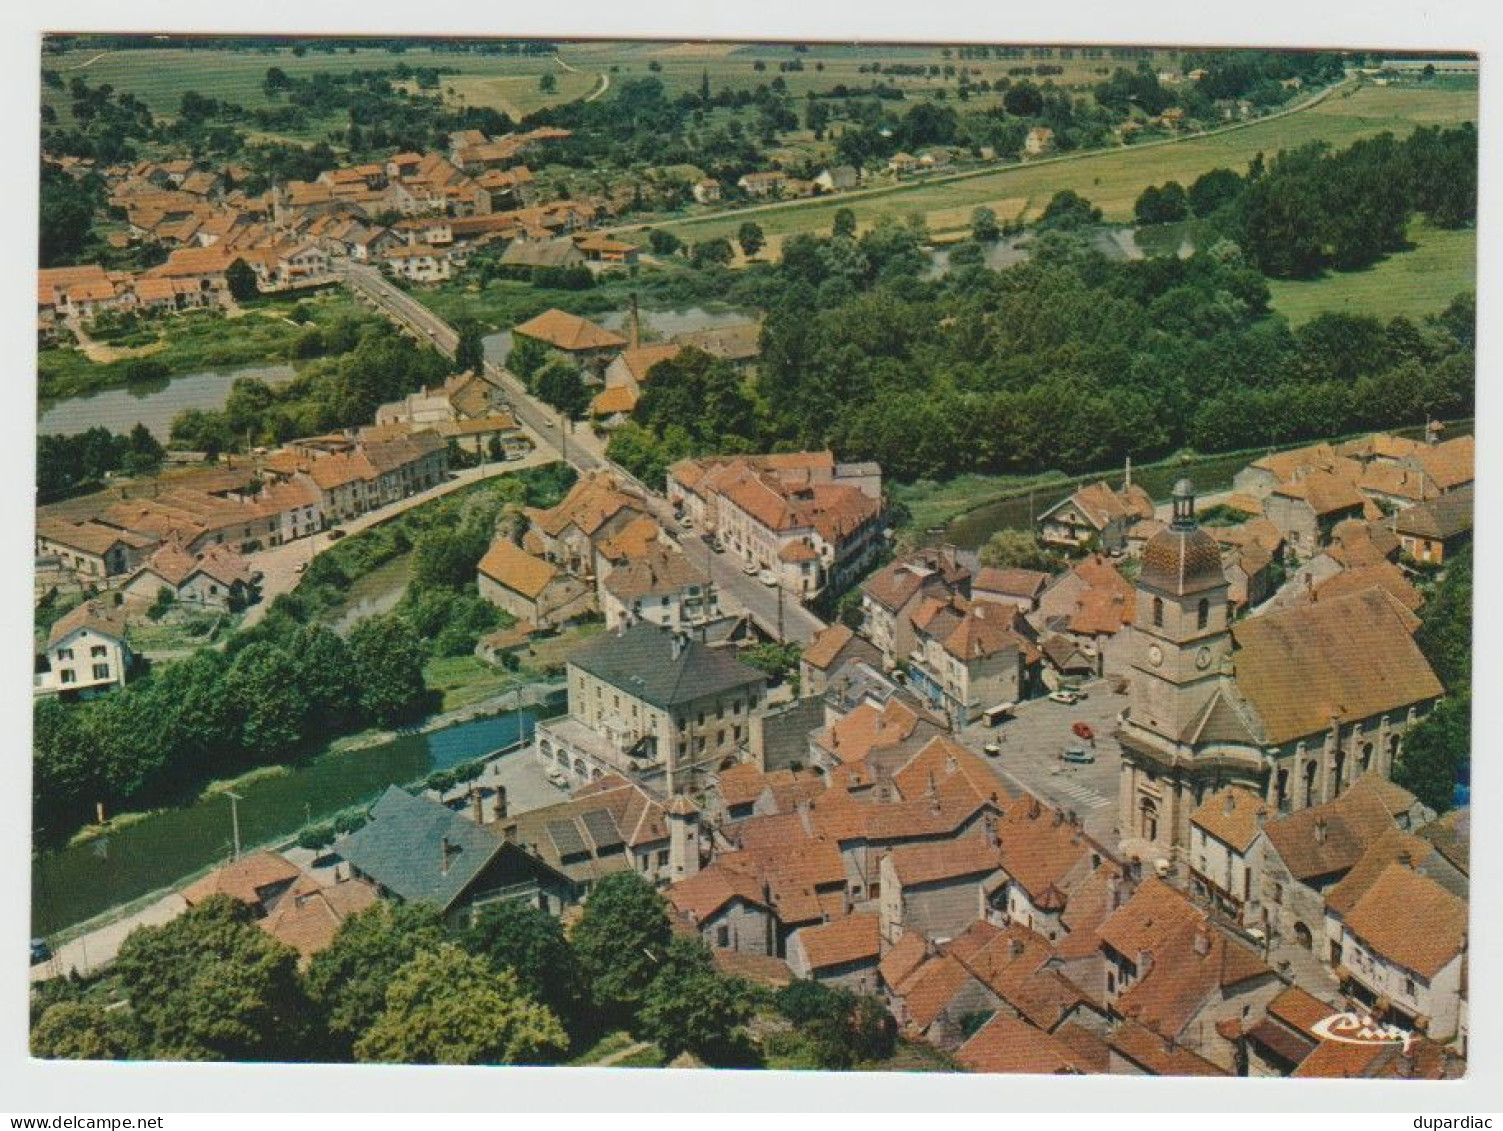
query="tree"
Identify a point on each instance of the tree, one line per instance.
(663, 242)
(1164, 205)
(621, 939)
(446, 557)
(1213, 190)
(241, 281)
(841, 1029)
(1017, 549)
(750, 237)
(269, 698)
(716, 252)
(560, 384)
(527, 356)
(469, 351)
(548, 83)
(689, 1007)
(1437, 754)
(347, 980)
(388, 661)
(76, 1030)
(530, 943)
(448, 1007)
(984, 226)
(844, 226)
(211, 985)
(1067, 209)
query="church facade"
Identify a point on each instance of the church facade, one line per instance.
(1295, 705)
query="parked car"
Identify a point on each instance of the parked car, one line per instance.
(40, 952)
(557, 777)
(1066, 695)
(336, 534)
(992, 749)
(1083, 730)
(1079, 755)
(750, 569)
(300, 567)
(767, 577)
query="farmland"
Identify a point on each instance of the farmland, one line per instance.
(1113, 179)
(510, 83)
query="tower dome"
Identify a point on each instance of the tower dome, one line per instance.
(1182, 558)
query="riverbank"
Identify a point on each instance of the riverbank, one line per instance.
(142, 859)
(267, 330)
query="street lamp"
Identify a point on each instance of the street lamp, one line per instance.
(235, 799)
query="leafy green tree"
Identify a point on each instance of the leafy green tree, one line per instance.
(750, 237)
(984, 226)
(448, 1007)
(547, 84)
(840, 1028)
(388, 665)
(621, 939)
(560, 384)
(1068, 210)
(77, 1030)
(347, 980)
(446, 557)
(690, 1007)
(1445, 633)
(324, 666)
(779, 660)
(1162, 205)
(528, 355)
(1017, 549)
(712, 252)
(844, 226)
(531, 944)
(1437, 754)
(1214, 190)
(469, 351)
(211, 985)
(241, 281)
(664, 243)
(269, 697)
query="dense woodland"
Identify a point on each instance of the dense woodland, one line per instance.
(1068, 361)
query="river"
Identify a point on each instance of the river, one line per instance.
(1116, 243)
(661, 323)
(76, 883)
(153, 403)
(372, 594)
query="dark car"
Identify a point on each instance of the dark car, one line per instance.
(40, 952)
(336, 534)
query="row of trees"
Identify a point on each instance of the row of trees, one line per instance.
(398, 986)
(68, 464)
(1437, 754)
(1312, 208)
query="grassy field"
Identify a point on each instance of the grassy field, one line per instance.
(1113, 179)
(1411, 283)
(159, 76)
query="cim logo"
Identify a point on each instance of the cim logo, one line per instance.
(1356, 1029)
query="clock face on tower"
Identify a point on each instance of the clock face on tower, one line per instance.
(1203, 658)
(1155, 655)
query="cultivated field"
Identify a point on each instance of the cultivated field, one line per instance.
(1113, 179)
(159, 76)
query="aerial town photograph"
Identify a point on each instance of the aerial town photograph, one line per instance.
(808, 556)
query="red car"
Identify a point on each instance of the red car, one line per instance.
(1083, 730)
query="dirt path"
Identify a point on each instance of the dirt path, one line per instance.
(85, 63)
(101, 354)
(621, 1054)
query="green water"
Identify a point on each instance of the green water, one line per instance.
(74, 884)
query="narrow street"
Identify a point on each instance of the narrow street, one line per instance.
(586, 452)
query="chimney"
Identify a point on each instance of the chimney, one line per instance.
(500, 805)
(476, 804)
(1127, 475)
(1320, 830)
(1016, 947)
(446, 849)
(1406, 859)
(1202, 940)
(1229, 805)
(509, 833)
(1059, 817)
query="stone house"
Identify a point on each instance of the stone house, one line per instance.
(727, 908)
(891, 595)
(937, 889)
(530, 588)
(843, 952)
(88, 652)
(662, 587)
(1096, 516)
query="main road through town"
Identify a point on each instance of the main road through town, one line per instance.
(777, 613)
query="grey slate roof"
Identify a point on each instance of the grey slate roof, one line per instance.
(1444, 517)
(648, 663)
(402, 849)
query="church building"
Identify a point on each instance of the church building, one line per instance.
(1295, 705)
